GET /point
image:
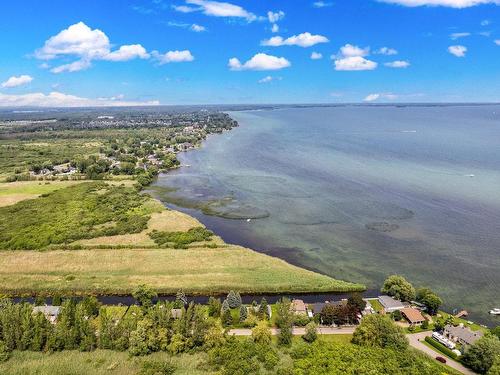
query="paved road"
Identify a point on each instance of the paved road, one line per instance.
(415, 341)
(298, 331)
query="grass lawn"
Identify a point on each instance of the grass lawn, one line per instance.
(13, 192)
(99, 362)
(465, 322)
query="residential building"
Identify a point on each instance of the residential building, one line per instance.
(461, 334)
(390, 304)
(413, 316)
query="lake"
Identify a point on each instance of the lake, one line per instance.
(358, 193)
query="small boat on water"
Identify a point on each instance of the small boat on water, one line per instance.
(495, 311)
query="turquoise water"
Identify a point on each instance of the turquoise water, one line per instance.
(359, 192)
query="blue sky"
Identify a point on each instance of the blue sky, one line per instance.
(114, 52)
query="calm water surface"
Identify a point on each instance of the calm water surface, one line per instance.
(359, 192)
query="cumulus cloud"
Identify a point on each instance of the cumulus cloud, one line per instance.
(386, 51)
(274, 17)
(352, 58)
(82, 42)
(322, 4)
(197, 28)
(215, 9)
(173, 56)
(377, 96)
(316, 56)
(58, 99)
(458, 51)
(275, 28)
(17, 81)
(455, 36)
(497, 42)
(398, 64)
(260, 61)
(444, 3)
(302, 40)
(354, 63)
(127, 52)
(485, 22)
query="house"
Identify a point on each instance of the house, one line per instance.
(176, 313)
(413, 316)
(461, 334)
(299, 307)
(51, 312)
(318, 307)
(390, 304)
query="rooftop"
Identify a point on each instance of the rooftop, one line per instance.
(389, 302)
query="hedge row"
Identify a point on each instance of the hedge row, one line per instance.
(443, 349)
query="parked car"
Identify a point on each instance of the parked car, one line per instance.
(441, 359)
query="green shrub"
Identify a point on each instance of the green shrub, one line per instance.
(181, 239)
(4, 352)
(157, 368)
(443, 349)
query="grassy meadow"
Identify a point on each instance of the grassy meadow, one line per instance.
(102, 238)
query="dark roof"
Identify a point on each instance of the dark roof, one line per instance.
(317, 307)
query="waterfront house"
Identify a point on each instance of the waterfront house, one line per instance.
(390, 304)
(413, 316)
(461, 334)
(299, 307)
(51, 312)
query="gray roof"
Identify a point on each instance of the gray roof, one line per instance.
(48, 310)
(390, 303)
(464, 334)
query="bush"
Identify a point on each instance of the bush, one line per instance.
(311, 332)
(443, 349)
(380, 331)
(181, 239)
(301, 320)
(4, 352)
(234, 299)
(157, 368)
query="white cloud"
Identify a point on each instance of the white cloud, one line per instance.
(397, 64)
(455, 36)
(485, 22)
(386, 51)
(197, 28)
(497, 42)
(321, 4)
(17, 81)
(374, 97)
(72, 67)
(487, 34)
(173, 56)
(269, 79)
(354, 63)
(127, 52)
(352, 58)
(275, 28)
(444, 3)
(82, 42)
(260, 61)
(215, 9)
(350, 50)
(302, 40)
(58, 99)
(316, 56)
(274, 17)
(458, 51)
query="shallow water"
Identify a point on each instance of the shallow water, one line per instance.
(359, 192)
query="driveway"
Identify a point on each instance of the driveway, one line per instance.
(416, 342)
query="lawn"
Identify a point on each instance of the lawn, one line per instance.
(13, 192)
(376, 305)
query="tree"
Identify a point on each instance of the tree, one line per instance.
(495, 368)
(481, 355)
(328, 314)
(181, 299)
(144, 295)
(397, 315)
(284, 321)
(243, 313)
(357, 302)
(432, 303)
(56, 300)
(234, 299)
(398, 287)
(214, 307)
(227, 318)
(379, 331)
(261, 334)
(263, 309)
(496, 331)
(311, 332)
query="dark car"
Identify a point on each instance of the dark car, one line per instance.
(441, 359)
